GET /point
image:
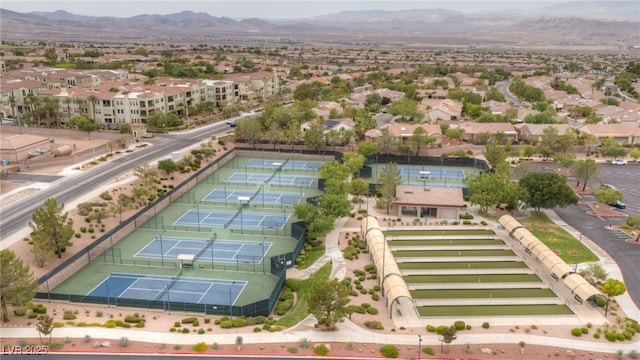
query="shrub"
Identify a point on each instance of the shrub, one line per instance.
(201, 331)
(375, 297)
(304, 342)
(177, 324)
(428, 351)
(200, 347)
(292, 350)
(99, 314)
(207, 320)
(610, 336)
(39, 309)
(372, 324)
(431, 328)
(195, 323)
(124, 341)
(389, 351)
(372, 311)
(82, 324)
(239, 322)
(440, 329)
(172, 329)
(485, 325)
(576, 332)
(189, 320)
(321, 350)
(366, 305)
(260, 319)
(55, 346)
(227, 324)
(620, 337)
(133, 319)
(459, 325)
(58, 324)
(68, 315)
(87, 338)
(585, 330)
(257, 329)
(106, 196)
(596, 335)
(185, 330)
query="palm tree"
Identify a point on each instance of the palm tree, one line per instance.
(93, 99)
(12, 102)
(50, 110)
(67, 101)
(32, 102)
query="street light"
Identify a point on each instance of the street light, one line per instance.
(168, 299)
(419, 346)
(231, 302)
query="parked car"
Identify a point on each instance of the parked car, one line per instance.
(619, 204)
(231, 123)
(618, 162)
(610, 186)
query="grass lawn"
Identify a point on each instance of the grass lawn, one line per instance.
(303, 289)
(462, 265)
(494, 310)
(445, 242)
(452, 253)
(480, 293)
(567, 247)
(439, 232)
(482, 278)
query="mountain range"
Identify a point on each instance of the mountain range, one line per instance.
(575, 22)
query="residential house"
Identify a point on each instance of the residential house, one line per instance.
(392, 95)
(324, 108)
(620, 114)
(403, 132)
(622, 134)
(481, 133)
(446, 109)
(332, 124)
(533, 132)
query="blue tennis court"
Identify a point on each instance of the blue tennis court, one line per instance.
(274, 179)
(167, 288)
(260, 197)
(234, 219)
(218, 250)
(431, 172)
(288, 164)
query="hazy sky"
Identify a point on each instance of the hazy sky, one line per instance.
(265, 9)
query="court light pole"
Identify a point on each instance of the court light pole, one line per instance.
(241, 226)
(198, 212)
(213, 239)
(284, 221)
(231, 302)
(161, 249)
(106, 284)
(263, 253)
(168, 299)
(419, 346)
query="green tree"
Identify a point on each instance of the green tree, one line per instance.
(292, 133)
(249, 130)
(83, 123)
(605, 195)
(585, 171)
(168, 166)
(449, 335)
(373, 102)
(359, 187)
(367, 148)
(406, 108)
(147, 173)
(390, 178)
(420, 138)
(328, 301)
(353, 161)
(385, 141)
(334, 205)
(594, 273)
(565, 160)
(634, 223)
(18, 286)
(547, 191)
(51, 229)
(45, 327)
(314, 136)
(495, 154)
(612, 288)
(635, 154)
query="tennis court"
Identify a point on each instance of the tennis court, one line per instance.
(233, 219)
(169, 288)
(431, 173)
(274, 179)
(234, 196)
(288, 164)
(218, 250)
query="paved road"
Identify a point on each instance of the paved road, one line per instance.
(16, 216)
(626, 255)
(29, 177)
(503, 87)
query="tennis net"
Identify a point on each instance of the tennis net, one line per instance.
(170, 284)
(226, 225)
(206, 246)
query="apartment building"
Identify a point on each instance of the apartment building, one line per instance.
(111, 98)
